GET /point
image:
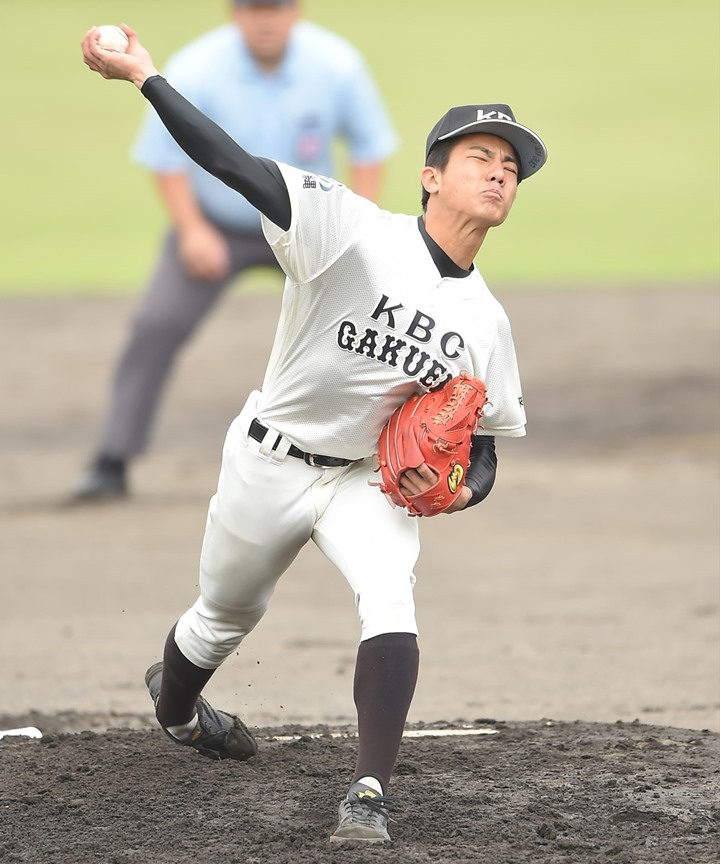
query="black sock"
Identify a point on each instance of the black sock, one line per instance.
(385, 677)
(182, 682)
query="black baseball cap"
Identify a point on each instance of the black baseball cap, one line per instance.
(492, 120)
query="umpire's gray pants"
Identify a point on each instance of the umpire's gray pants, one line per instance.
(173, 305)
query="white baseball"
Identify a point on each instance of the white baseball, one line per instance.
(112, 38)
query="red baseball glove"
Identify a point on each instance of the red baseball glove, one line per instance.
(435, 428)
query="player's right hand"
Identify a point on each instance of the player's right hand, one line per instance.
(204, 252)
(133, 65)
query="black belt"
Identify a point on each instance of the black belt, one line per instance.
(258, 432)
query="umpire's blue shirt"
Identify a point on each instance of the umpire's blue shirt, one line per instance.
(322, 90)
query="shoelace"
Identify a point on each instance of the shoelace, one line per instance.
(377, 806)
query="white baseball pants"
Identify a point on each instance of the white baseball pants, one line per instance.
(265, 510)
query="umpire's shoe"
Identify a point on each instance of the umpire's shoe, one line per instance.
(363, 816)
(217, 735)
(104, 480)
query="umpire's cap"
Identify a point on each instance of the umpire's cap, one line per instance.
(492, 120)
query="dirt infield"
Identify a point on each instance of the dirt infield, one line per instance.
(531, 792)
(575, 614)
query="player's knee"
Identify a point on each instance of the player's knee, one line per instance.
(208, 636)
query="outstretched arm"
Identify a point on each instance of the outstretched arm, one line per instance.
(257, 179)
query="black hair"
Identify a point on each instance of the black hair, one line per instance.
(438, 157)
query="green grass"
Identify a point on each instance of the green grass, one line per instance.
(625, 94)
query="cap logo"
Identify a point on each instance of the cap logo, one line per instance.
(490, 114)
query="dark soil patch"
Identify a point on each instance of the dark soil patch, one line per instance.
(531, 792)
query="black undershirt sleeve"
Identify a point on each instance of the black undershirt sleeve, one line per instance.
(255, 178)
(480, 476)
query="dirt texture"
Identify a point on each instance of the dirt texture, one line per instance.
(530, 792)
(570, 625)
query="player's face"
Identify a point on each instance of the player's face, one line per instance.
(266, 28)
(480, 179)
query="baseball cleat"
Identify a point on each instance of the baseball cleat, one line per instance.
(218, 735)
(363, 816)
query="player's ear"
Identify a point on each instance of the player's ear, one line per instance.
(429, 178)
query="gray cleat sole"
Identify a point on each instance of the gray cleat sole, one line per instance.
(357, 834)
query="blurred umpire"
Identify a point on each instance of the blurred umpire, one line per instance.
(279, 86)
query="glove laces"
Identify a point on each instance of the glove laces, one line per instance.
(451, 407)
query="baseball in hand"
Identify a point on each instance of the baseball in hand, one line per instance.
(112, 38)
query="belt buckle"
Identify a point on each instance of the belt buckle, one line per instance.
(310, 460)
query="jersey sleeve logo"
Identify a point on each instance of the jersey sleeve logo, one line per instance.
(312, 181)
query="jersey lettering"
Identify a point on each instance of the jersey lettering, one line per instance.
(367, 343)
(445, 345)
(389, 352)
(345, 335)
(422, 357)
(421, 327)
(433, 378)
(383, 309)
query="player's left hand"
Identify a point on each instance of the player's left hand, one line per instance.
(415, 481)
(135, 64)
(424, 448)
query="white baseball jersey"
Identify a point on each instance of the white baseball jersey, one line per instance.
(365, 308)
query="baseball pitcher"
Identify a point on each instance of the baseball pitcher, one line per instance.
(378, 308)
